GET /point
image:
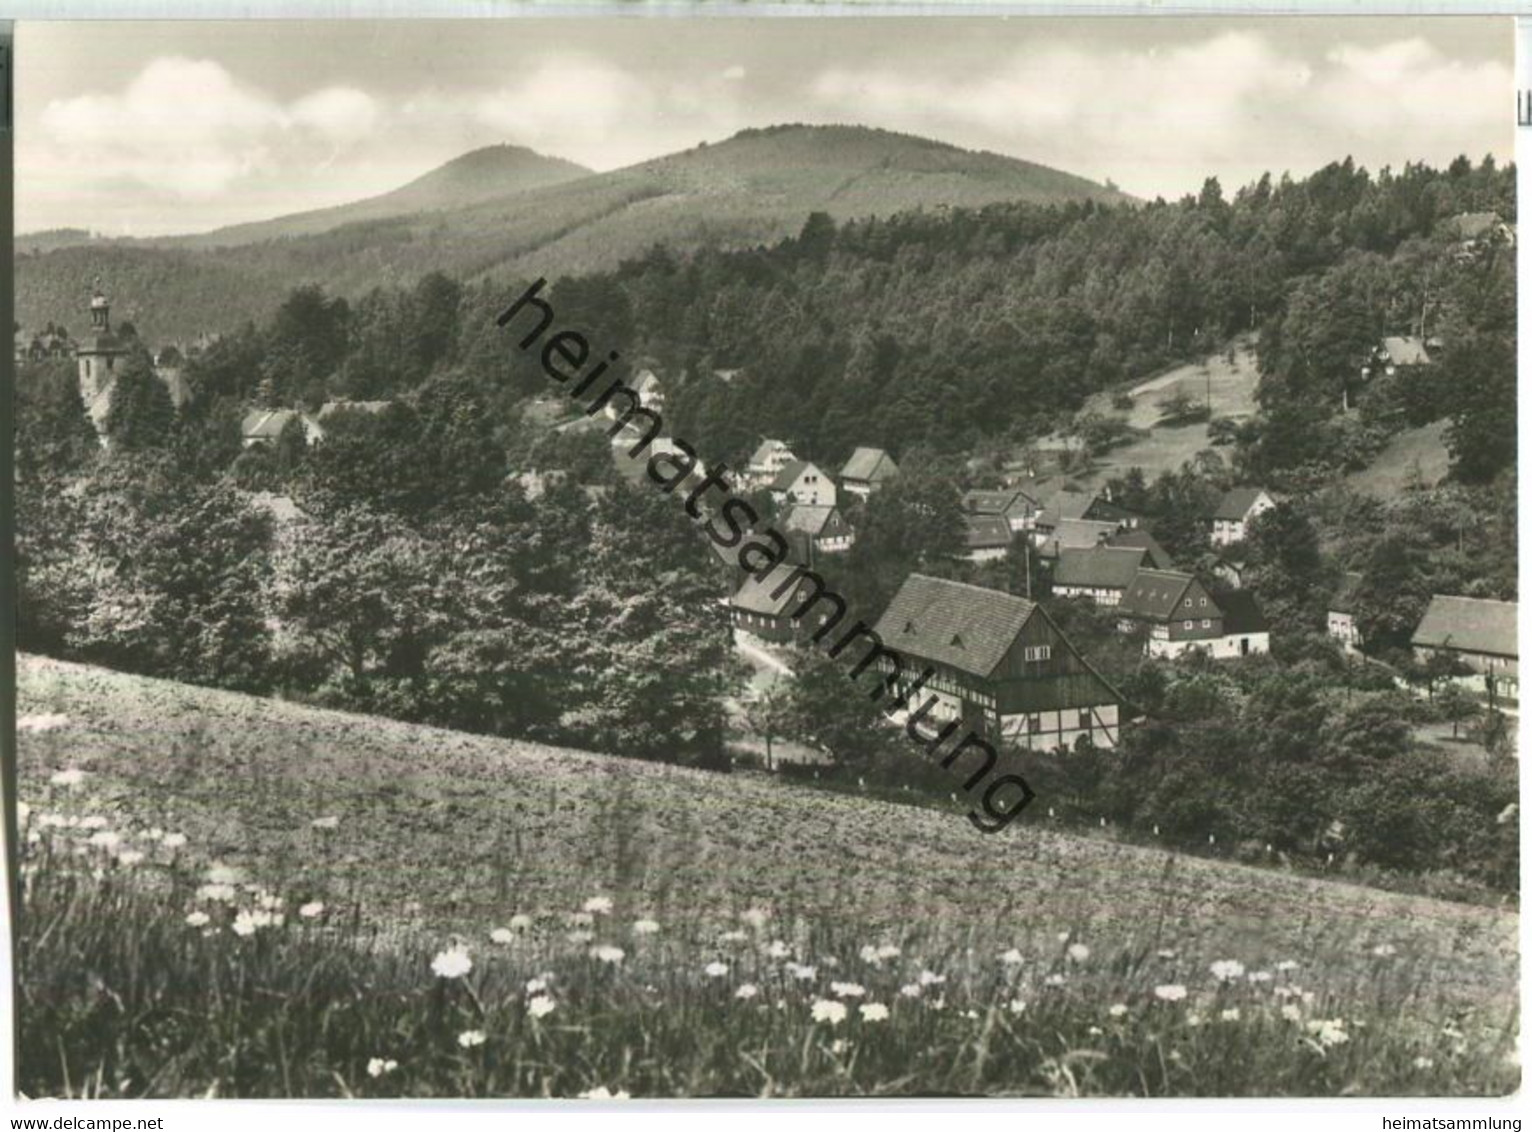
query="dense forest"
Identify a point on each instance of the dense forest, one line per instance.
(425, 577)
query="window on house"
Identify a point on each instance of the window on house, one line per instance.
(1084, 720)
(1037, 652)
(1206, 624)
(1204, 601)
(957, 640)
(1034, 723)
(1188, 624)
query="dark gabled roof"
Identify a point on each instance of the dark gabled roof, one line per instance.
(966, 627)
(1344, 600)
(1155, 594)
(1065, 505)
(1236, 503)
(754, 596)
(1078, 534)
(1468, 624)
(805, 517)
(1001, 502)
(1098, 567)
(983, 531)
(870, 464)
(764, 451)
(1156, 557)
(790, 473)
(1241, 613)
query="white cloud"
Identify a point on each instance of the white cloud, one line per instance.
(187, 129)
(1158, 121)
(341, 114)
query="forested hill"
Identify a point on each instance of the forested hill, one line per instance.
(475, 177)
(757, 187)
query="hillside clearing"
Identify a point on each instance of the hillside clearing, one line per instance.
(440, 832)
(1415, 456)
(1229, 387)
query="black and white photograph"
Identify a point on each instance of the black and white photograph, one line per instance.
(656, 559)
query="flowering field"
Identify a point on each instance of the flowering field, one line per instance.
(231, 896)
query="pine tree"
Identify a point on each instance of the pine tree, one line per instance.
(141, 414)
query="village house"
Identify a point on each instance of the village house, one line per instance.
(770, 457)
(1072, 534)
(1480, 635)
(1478, 230)
(756, 607)
(263, 426)
(803, 482)
(997, 663)
(1398, 352)
(812, 531)
(1103, 510)
(867, 470)
(1182, 615)
(1231, 518)
(1016, 507)
(1155, 556)
(51, 344)
(1101, 573)
(985, 538)
(1061, 506)
(1340, 615)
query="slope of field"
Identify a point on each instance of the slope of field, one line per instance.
(436, 832)
(1228, 386)
(756, 187)
(1417, 455)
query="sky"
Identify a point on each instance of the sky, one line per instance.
(157, 128)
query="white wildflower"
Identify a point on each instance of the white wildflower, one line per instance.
(106, 839)
(1226, 969)
(221, 892)
(746, 991)
(378, 1066)
(197, 919)
(756, 917)
(1170, 992)
(873, 1012)
(732, 936)
(1011, 958)
(173, 840)
(1383, 950)
(470, 1038)
(716, 970)
(598, 904)
(520, 922)
(931, 979)
(1079, 952)
(502, 935)
(540, 1006)
(580, 936)
(802, 973)
(582, 920)
(1230, 1015)
(602, 1093)
(1329, 1031)
(452, 963)
(847, 990)
(1016, 1006)
(1117, 1010)
(778, 950)
(828, 1010)
(1287, 965)
(328, 822)
(645, 927)
(889, 951)
(606, 953)
(92, 821)
(1054, 981)
(129, 857)
(311, 910)
(911, 990)
(1424, 1063)
(1260, 976)
(1291, 1013)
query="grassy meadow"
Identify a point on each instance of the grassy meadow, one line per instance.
(229, 896)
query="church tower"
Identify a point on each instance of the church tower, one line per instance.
(97, 356)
